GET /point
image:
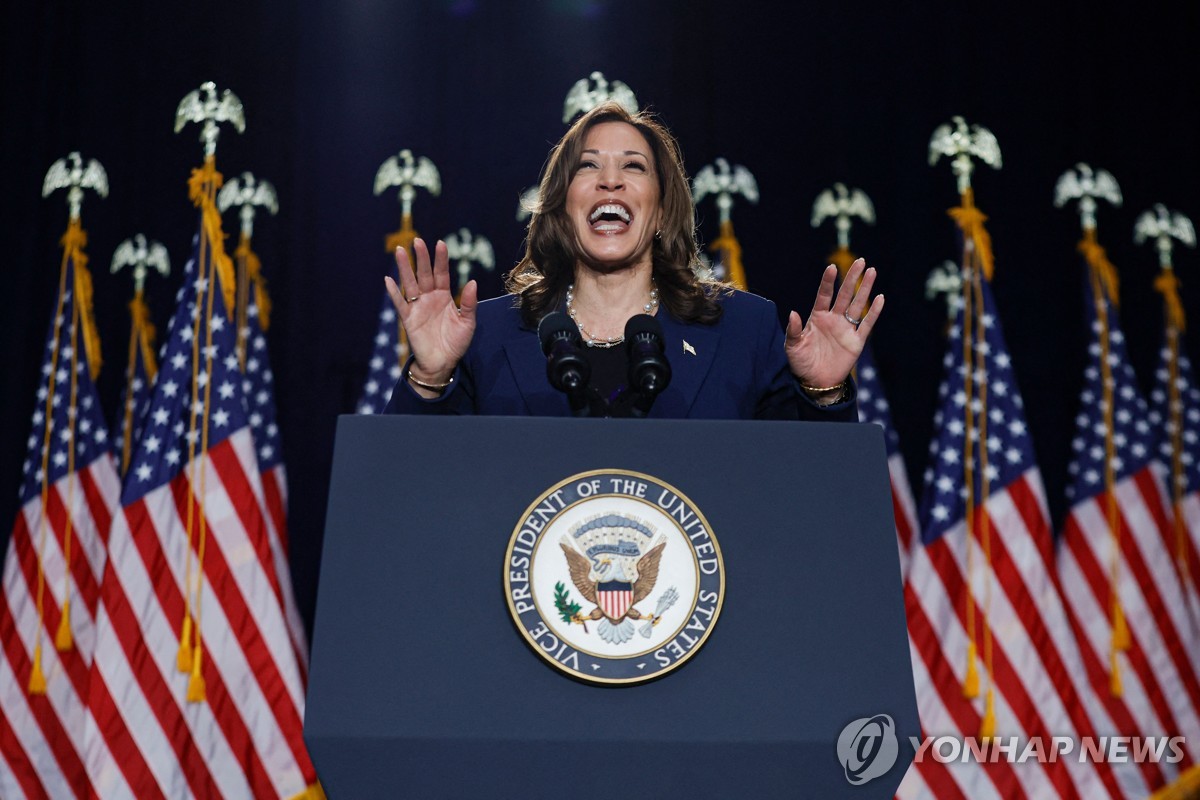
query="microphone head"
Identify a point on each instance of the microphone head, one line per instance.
(649, 370)
(556, 326)
(643, 324)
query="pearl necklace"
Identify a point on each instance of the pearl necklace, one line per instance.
(610, 341)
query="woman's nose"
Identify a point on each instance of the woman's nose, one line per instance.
(610, 177)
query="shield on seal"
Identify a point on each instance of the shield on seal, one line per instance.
(614, 598)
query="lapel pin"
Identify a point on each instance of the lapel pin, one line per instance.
(687, 348)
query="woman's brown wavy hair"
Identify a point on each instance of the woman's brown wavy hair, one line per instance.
(541, 278)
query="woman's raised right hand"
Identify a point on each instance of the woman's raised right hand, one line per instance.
(438, 330)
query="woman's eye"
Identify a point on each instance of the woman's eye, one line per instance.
(637, 165)
(587, 165)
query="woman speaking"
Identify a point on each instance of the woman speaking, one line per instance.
(613, 237)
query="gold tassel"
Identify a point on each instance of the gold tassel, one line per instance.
(73, 242)
(728, 244)
(970, 687)
(263, 300)
(401, 238)
(842, 258)
(1120, 641)
(183, 658)
(1097, 259)
(1186, 786)
(254, 273)
(970, 221)
(202, 187)
(1168, 285)
(37, 681)
(145, 334)
(1120, 634)
(987, 725)
(62, 637)
(195, 692)
(313, 792)
(87, 316)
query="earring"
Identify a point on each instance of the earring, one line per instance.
(658, 234)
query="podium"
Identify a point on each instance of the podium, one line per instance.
(422, 685)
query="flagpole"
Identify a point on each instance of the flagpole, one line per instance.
(75, 179)
(140, 254)
(842, 206)
(723, 182)
(1164, 227)
(1087, 186)
(961, 145)
(202, 187)
(246, 193)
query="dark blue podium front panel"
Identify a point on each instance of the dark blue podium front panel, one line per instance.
(422, 687)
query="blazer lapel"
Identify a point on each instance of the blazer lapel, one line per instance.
(690, 350)
(528, 366)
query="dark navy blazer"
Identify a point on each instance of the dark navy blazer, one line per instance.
(734, 369)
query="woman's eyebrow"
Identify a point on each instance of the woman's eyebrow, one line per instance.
(624, 153)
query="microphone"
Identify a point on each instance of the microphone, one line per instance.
(567, 369)
(649, 370)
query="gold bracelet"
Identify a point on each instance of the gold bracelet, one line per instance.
(819, 389)
(433, 387)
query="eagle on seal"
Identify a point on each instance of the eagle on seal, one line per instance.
(614, 587)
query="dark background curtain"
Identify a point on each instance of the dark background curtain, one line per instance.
(804, 94)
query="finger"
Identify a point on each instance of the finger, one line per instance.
(863, 296)
(795, 328)
(441, 266)
(864, 330)
(825, 290)
(848, 287)
(408, 281)
(397, 296)
(470, 299)
(424, 269)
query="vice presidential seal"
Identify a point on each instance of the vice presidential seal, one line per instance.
(614, 577)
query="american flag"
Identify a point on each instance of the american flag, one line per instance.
(57, 551)
(386, 360)
(258, 384)
(873, 408)
(992, 649)
(190, 563)
(1118, 531)
(1175, 417)
(139, 380)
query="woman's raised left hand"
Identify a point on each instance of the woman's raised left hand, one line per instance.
(822, 352)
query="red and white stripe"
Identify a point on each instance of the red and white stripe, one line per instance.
(904, 509)
(1037, 671)
(615, 602)
(1161, 694)
(245, 739)
(42, 738)
(274, 505)
(1189, 513)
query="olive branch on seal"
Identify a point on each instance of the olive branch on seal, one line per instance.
(567, 608)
